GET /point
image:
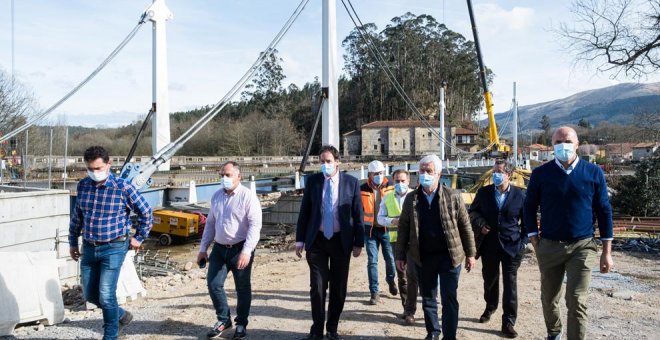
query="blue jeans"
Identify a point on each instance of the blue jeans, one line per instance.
(434, 266)
(377, 239)
(99, 269)
(221, 261)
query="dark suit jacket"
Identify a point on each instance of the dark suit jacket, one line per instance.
(350, 211)
(506, 224)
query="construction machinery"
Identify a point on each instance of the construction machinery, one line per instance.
(179, 226)
(496, 149)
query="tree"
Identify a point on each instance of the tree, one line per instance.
(617, 35)
(583, 123)
(639, 195)
(266, 85)
(16, 104)
(547, 129)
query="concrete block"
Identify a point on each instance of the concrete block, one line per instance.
(129, 286)
(29, 289)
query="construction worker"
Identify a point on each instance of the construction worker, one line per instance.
(376, 235)
(388, 216)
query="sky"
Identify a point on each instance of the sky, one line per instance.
(212, 43)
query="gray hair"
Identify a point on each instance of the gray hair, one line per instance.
(233, 164)
(508, 166)
(432, 158)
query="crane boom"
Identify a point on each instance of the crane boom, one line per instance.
(493, 137)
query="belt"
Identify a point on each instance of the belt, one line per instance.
(566, 241)
(98, 243)
(239, 244)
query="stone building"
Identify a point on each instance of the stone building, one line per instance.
(405, 138)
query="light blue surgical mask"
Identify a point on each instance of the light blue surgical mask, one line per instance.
(328, 169)
(97, 176)
(227, 182)
(498, 178)
(426, 180)
(401, 188)
(378, 179)
(564, 151)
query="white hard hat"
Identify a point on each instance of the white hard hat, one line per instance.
(376, 166)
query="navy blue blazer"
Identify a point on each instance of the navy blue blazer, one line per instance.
(506, 223)
(350, 212)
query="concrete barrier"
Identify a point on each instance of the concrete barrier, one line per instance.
(29, 289)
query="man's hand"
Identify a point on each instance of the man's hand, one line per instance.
(401, 265)
(74, 252)
(134, 244)
(243, 261)
(534, 240)
(356, 251)
(606, 262)
(299, 250)
(485, 229)
(202, 256)
(395, 221)
(469, 263)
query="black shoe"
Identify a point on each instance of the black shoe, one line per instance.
(312, 336)
(509, 331)
(240, 332)
(332, 336)
(218, 329)
(393, 289)
(432, 337)
(485, 317)
(125, 320)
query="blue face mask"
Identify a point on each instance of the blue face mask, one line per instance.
(328, 169)
(564, 151)
(378, 179)
(227, 182)
(401, 188)
(427, 180)
(498, 178)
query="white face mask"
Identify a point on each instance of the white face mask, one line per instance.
(97, 176)
(227, 182)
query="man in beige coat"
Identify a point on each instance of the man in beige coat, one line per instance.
(435, 231)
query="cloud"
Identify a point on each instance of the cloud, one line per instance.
(492, 19)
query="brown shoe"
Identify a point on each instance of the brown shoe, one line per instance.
(410, 320)
(509, 331)
(393, 289)
(374, 299)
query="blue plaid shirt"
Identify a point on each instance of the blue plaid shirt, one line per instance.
(102, 212)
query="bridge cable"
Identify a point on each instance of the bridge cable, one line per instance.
(112, 55)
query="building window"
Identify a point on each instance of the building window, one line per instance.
(404, 143)
(395, 143)
(375, 147)
(429, 134)
(379, 139)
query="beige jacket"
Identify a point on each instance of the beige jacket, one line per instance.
(456, 224)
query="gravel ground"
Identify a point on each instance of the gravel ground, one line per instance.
(623, 305)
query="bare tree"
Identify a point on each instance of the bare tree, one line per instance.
(16, 103)
(617, 35)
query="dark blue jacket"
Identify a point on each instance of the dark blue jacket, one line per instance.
(568, 203)
(505, 224)
(350, 211)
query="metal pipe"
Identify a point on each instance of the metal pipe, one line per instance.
(66, 146)
(50, 157)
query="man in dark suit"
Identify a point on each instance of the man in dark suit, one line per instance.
(496, 216)
(329, 229)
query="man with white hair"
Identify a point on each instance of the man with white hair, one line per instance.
(376, 235)
(435, 231)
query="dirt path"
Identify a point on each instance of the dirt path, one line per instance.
(281, 308)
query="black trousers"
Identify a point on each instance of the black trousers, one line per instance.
(328, 266)
(491, 258)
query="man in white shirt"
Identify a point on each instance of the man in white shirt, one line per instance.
(234, 223)
(388, 216)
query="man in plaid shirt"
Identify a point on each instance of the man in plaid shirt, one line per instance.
(101, 217)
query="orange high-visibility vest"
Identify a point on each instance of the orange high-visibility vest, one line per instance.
(369, 201)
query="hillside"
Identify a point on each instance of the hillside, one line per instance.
(615, 104)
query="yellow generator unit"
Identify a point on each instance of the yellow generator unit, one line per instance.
(175, 225)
